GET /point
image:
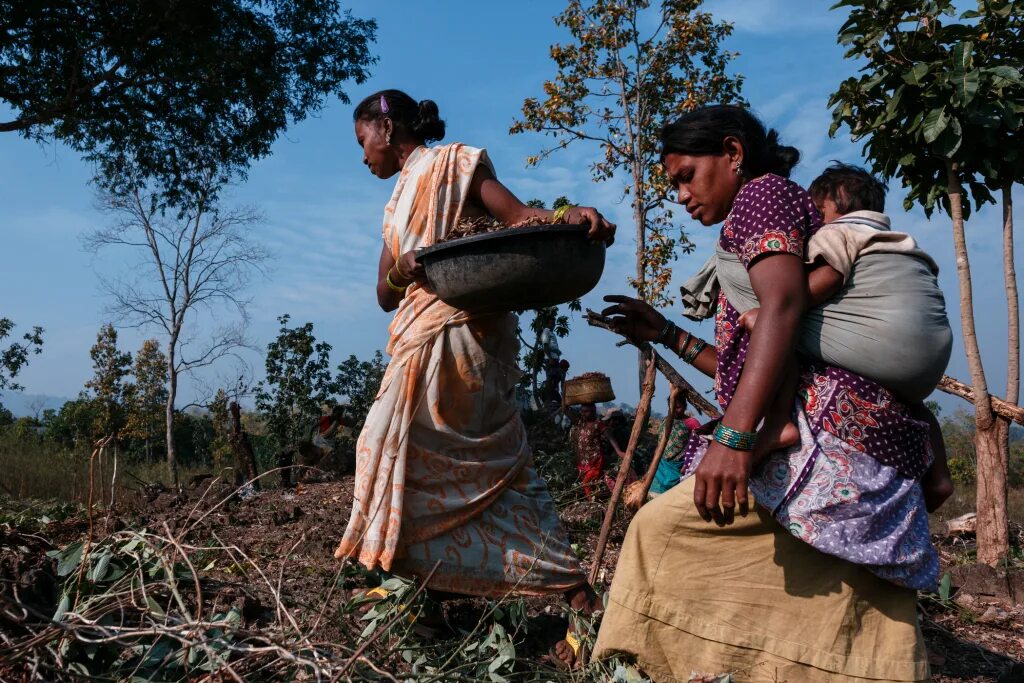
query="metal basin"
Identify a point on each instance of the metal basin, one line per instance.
(514, 270)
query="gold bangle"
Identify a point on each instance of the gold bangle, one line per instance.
(561, 212)
(398, 268)
(392, 286)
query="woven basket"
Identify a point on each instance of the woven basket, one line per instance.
(588, 390)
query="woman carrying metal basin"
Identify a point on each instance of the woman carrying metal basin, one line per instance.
(444, 474)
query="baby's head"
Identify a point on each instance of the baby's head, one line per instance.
(845, 188)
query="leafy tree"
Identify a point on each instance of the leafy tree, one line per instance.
(72, 426)
(197, 260)
(15, 357)
(110, 367)
(220, 447)
(940, 105)
(146, 398)
(616, 85)
(358, 381)
(6, 417)
(168, 89)
(298, 382)
(194, 435)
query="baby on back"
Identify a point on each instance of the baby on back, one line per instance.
(898, 334)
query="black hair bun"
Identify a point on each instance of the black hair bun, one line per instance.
(428, 124)
(778, 159)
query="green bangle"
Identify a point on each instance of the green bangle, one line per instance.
(735, 439)
(694, 351)
(392, 286)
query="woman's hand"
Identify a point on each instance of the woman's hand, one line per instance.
(635, 319)
(722, 474)
(601, 230)
(409, 269)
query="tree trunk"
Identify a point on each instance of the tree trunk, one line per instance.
(993, 531)
(1012, 301)
(641, 271)
(993, 534)
(1012, 320)
(172, 391)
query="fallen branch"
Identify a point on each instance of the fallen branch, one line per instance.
(966, 391)
(693, 397)
(643, 411)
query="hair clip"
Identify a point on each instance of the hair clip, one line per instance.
(384, 109)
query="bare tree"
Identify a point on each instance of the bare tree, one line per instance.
(197, 261)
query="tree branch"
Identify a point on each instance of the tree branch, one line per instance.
(1000, 407)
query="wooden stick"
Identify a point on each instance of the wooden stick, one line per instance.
(662, 444)
(966, 391)
(695, 398)
(642, 412)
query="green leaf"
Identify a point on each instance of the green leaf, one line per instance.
(916, 75)
(962, 55)
(393, 584)
(1003, 75)
(949, 140)
(99, 570)
(155, 607)
(966, 84)
(944, 586)
(63, 607)
(934, 123)
(69, 558)
(497, 663)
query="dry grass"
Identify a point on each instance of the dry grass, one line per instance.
(34, 469)
(963, 501)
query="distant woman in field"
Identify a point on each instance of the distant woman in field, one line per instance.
(801, 586)
(444, 474)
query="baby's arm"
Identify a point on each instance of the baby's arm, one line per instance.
(823, 283)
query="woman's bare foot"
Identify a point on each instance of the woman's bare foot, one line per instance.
(570, 652)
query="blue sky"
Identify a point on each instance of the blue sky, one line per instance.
(322, 209)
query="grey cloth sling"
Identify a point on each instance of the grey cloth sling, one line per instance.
(888, 323)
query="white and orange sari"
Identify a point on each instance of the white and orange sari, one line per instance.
(443, 469)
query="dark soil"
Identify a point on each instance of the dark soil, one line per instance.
(291, 535)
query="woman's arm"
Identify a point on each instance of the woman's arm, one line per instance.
(706, 361)
(403, 274)
(387, 297)
(780, 284)
(499, 202)
(639, 321)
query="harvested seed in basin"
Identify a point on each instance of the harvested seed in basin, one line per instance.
(481, 225)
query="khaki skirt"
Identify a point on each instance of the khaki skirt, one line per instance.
(751, 600)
